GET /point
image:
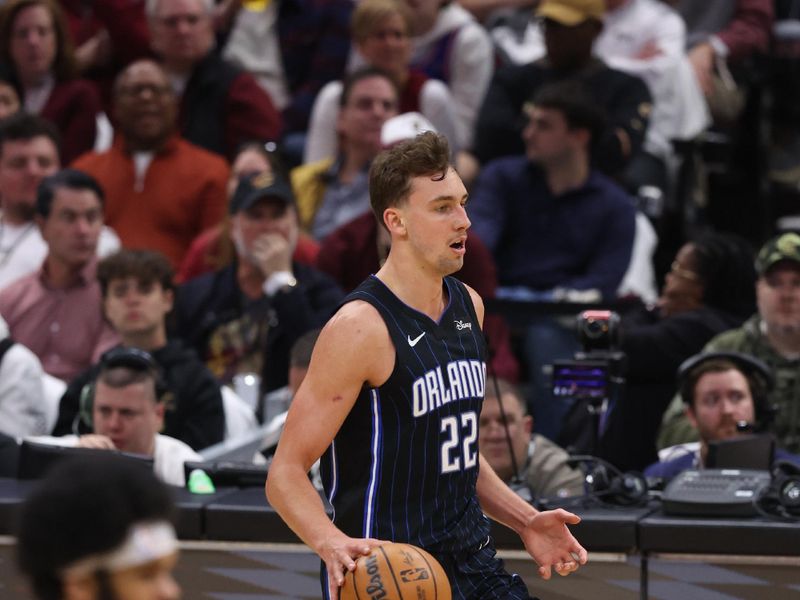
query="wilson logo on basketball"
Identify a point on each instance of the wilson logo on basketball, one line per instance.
(375, 587)
(417, 574)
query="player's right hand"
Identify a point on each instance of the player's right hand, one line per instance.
(339, 554)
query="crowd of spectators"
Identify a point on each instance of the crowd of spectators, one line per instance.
(189, 178)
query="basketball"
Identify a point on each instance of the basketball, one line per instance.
(396, 572)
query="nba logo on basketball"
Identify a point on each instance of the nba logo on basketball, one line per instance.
(414, 575)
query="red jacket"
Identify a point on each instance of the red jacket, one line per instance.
(182, 193)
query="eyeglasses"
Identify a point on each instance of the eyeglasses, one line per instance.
(133, 91)
(677, 270)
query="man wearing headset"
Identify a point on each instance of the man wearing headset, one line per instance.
(125, 411)
(725, 395)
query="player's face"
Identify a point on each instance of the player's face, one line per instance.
(778, 295)
(721, 399)
(136, 307)
(436, 221)
(129, 416)
(492, 439)
(151, 581)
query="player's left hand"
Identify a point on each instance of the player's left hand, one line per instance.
(548, 540)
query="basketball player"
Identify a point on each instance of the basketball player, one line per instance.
(393, 396)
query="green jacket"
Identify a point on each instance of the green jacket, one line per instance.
(748, 339)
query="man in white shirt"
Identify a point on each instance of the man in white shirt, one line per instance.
(28, 153)
(126, 411)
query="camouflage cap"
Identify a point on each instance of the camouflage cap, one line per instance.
(785, 246)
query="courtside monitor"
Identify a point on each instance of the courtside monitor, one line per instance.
(36, 458)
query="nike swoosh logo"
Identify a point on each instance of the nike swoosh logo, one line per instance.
(413, 342)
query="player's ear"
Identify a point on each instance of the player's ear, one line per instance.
(394, 221)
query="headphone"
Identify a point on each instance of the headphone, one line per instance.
(759, 378)
(782, 498)
(135, 359)
(607, 483)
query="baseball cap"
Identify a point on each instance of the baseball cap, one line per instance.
(263, 185)
(571, 12)
(404, 127)
(785, 246)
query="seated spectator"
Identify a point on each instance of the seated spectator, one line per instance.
(213, 249)
(448, 44)
(161, 190)
(646, 39)
(138, 294)
(530, 463)
(380, 31)
(96, 529)
(221, 106)
(28, 154)
(723, 38)
(23, 405)
(124, 410)
(56, 312)
(772, 335)
(245, 317)
(36, 46)
(556, 227)
(553, 223)
(708, 290)
(570, 29)
(721, 391)
(108, 35)
(293, 48)
(335, 190)
(278, 401)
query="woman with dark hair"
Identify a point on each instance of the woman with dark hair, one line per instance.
(709, 289)
(38, 52)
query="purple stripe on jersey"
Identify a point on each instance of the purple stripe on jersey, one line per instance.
(373, 477)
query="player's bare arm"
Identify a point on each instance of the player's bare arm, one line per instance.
(545, 534)
(354, 348)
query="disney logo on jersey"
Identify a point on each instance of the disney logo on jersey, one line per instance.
(460, 325)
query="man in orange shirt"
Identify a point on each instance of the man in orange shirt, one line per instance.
(161, 190)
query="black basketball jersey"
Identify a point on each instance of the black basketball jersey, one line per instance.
(404, 464)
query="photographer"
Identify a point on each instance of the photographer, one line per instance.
(724, 394)
(708, 290)
(531, 464)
